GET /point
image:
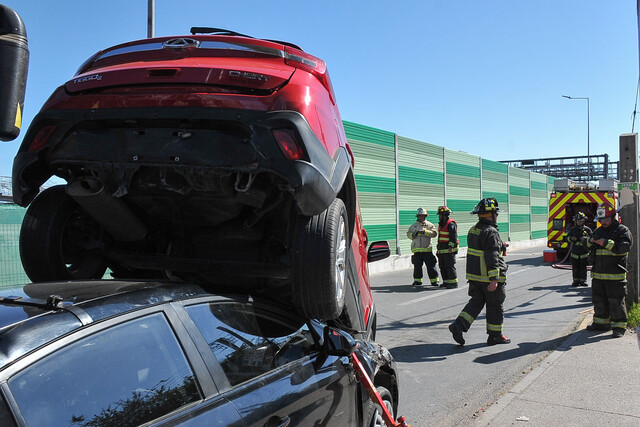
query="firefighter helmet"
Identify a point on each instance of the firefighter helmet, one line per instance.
(422, 211)
(580, 216)
(444, 210)
(605, 210)
(489, 204)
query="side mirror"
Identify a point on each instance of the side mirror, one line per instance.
(337, 342)
(378, 250)
(14, 64)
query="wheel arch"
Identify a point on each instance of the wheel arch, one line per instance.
(349, 194)
(386, 377)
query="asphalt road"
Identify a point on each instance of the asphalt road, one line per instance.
(444, 384)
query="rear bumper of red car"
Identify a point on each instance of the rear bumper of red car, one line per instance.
(189, 138)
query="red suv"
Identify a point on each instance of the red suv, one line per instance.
(217, 158)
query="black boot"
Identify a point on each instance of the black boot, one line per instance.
(498, 339)
(456, 331)
(618, 332)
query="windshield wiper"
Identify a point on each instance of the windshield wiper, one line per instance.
(53, 302)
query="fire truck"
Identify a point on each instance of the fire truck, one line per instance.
(570, 197)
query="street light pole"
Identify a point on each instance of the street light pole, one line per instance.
(151, 18)
(588, 153)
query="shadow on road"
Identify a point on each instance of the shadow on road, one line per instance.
(395, 289)
(430, 352)
(533, 347)
(440, 351)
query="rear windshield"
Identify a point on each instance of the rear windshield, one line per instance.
(191, 43)
(175, 48)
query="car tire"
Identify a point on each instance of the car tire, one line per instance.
(55, 237)
(320, 248)
(376, 417)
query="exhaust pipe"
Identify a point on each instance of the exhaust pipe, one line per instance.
(110, 212)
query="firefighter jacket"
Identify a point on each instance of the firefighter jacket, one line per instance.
(448, 237)
(610, 261)
(582, 235)
(421, 242)
(484, 253)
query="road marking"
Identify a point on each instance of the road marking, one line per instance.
(520, 271)
(426, 297)
(436, 294)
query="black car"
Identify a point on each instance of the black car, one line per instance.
(102, 353)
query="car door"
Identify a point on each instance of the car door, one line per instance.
(273, 372)
(125, 371)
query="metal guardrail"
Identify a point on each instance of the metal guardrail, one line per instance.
(579, 168)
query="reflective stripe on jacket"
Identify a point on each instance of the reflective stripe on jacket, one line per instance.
(580, 245)
(610, 262)
(448, 238)
(422, 242)
(484, 254)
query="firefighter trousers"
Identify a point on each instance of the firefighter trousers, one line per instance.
(480, 296)
(579, 268)
(609, 308)
(447, 265)
(428, 259)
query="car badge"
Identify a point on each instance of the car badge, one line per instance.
(181, 43)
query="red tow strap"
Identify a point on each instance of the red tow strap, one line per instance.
(374, 395)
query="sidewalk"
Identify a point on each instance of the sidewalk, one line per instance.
(590, 380)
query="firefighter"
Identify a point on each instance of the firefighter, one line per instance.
(486, 274)
(578, 236)
(610, 245)
(447, 248)
(420, 234)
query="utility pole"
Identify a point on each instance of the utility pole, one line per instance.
(628, 193)
(151, 18)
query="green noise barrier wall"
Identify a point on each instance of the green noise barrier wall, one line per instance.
(420, 184)
(495, 184)
(519, 204)
(539, 205)
(11, 271)
(395, 176)
(375, 173)
(462, 186)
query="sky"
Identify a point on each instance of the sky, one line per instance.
(481, 76)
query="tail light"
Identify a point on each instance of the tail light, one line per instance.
(288, 144)
(316, 66)
(41, 138)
